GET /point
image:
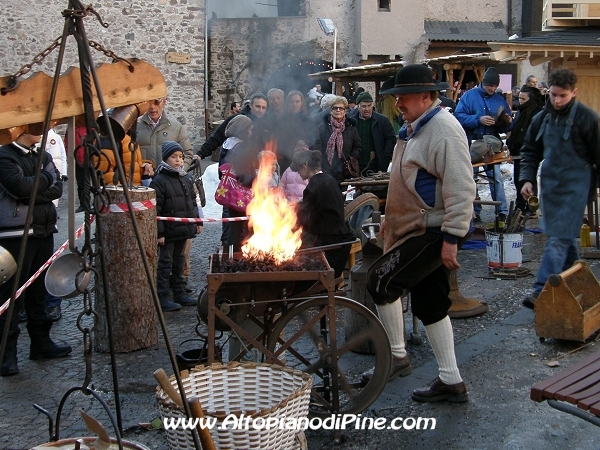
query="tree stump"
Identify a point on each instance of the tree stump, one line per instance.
(134, 319)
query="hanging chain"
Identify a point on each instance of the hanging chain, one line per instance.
(13, 80)
(84, 12)
(96, 46)
(83, 319)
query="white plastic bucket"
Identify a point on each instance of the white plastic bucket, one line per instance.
(512, 244)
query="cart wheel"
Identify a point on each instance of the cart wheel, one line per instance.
(416, 339)
(542, 340)
(336, 370)
(359, 210)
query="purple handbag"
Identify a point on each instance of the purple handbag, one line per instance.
(230, 193)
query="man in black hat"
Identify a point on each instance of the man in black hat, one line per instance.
(478, 113)
(376, 134)
(428, 212)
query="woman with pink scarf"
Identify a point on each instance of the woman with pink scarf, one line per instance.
(338, 139)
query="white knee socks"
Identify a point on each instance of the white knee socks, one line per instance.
(442, 342)
(391, 317)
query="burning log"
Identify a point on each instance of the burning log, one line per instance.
(300, 263)
(272, 219)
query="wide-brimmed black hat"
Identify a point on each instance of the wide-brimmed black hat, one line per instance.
(414, 78)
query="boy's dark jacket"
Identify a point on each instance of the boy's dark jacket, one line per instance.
(175, 197)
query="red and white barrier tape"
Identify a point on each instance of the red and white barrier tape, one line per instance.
(56, 254)
(196, 220)
(137, 206)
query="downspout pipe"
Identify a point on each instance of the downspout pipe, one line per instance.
(509, 25)
(206, 68)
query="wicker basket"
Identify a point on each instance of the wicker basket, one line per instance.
(255, 390)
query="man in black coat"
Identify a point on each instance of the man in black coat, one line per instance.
(256, 112)
(529, 106)
(376, 134)
(18, 163)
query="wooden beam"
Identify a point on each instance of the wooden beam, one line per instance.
(537, 59)
(28, 103)
(460, 80)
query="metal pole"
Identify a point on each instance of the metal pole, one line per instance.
(72, 182)
(334, 57)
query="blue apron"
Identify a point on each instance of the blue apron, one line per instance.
(565, 179)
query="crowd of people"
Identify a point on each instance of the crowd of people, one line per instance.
(429, 207)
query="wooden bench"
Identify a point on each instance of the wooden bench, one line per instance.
(578, 385)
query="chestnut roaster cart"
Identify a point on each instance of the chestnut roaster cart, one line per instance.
(300, 316)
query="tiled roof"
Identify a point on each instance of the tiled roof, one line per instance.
(584, 36)
(440, 30)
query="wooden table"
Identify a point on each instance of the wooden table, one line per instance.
(498, 158)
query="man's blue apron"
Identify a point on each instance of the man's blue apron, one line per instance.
(565, 179)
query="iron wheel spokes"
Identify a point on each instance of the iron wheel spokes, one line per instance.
(308, 348)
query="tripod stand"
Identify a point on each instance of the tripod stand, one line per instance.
(94, 193)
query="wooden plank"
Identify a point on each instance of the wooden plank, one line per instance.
(554, 391)
(578, 393)
(28, 103)
(537, 390)
(584, 387)
(585, 403)
(595, 409)
(591, 320)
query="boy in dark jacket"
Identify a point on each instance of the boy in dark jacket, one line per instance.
(174, 198)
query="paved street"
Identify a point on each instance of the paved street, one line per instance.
(499, 354)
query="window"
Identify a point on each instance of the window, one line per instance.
(384, 5)
(235, 9)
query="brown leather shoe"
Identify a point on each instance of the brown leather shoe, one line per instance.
(438, 391)
(400, 368)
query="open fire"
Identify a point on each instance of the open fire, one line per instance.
(272, 219)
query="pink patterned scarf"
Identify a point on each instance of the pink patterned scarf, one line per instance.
(335, 140)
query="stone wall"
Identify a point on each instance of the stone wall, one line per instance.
(145, 29)
(246, 55)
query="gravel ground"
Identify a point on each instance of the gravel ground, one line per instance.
(499, 414)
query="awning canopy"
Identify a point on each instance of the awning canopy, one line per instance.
(383, 71)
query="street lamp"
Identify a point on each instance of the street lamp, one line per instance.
(329, 28)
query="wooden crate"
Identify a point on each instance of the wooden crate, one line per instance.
(569, 305)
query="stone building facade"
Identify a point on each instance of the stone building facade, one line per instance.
(250, 53)
(145, 29)
(247, 53)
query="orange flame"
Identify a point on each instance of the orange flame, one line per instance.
(272, 218)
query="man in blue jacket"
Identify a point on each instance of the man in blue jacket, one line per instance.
(475, 112)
